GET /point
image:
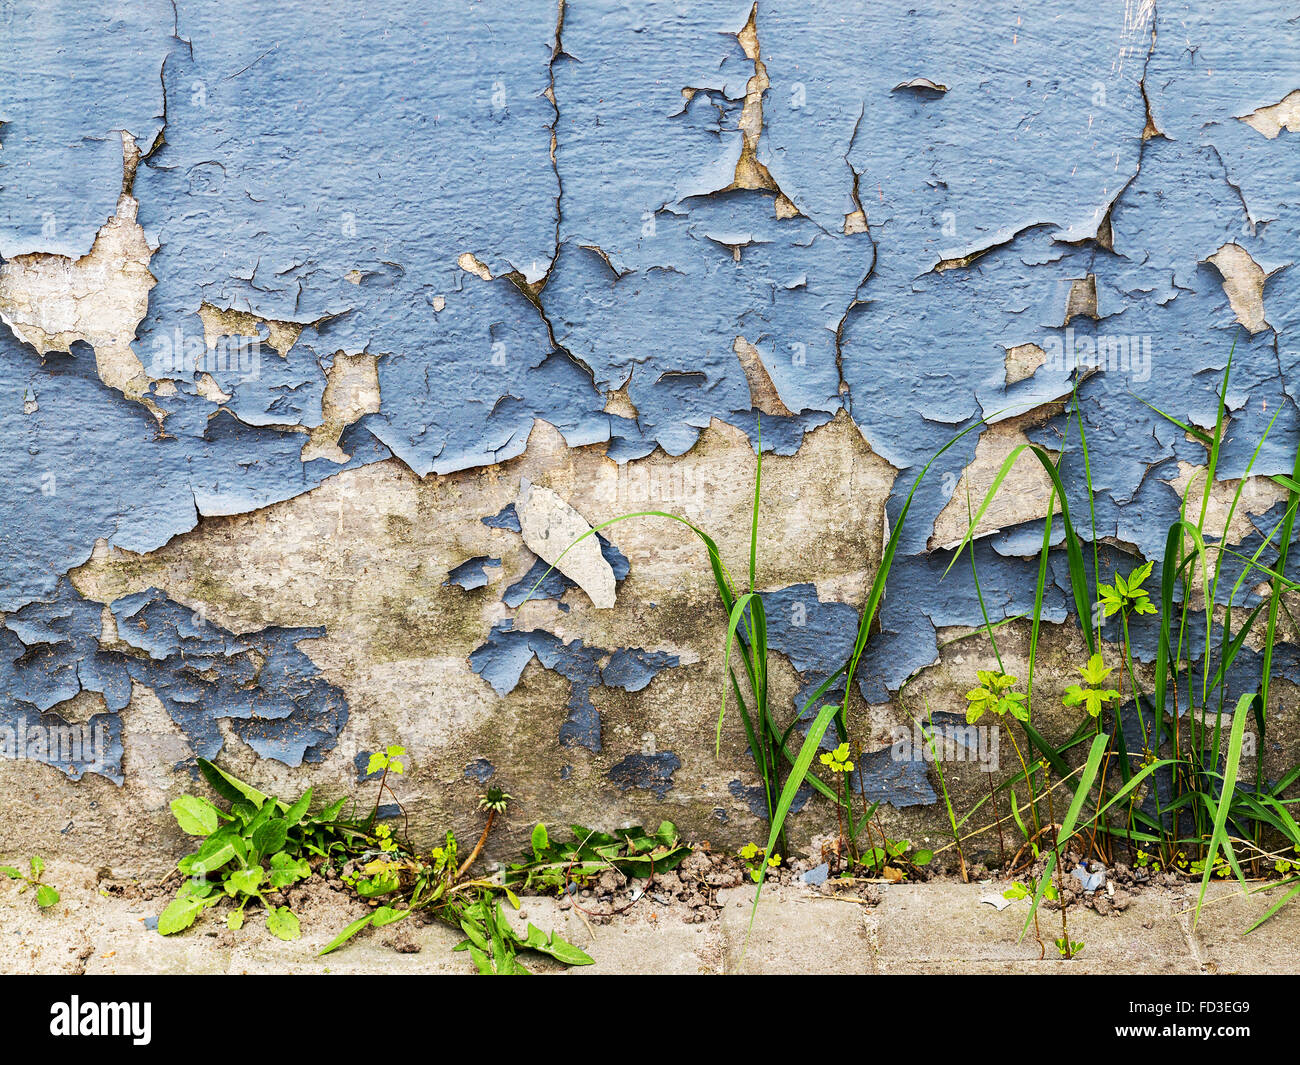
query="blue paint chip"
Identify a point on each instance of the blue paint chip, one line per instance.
(653, 772)
(480, 770)
(472, 573)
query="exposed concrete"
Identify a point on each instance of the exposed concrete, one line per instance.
(561, 537)
(50, 301)
(368, 555)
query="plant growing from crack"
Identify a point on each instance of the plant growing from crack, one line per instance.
(840, 766)
(260, 846)
(996, 694)
(46, 896)
(389, 760)
(494, 802)
(757, 861)
(1092, 695)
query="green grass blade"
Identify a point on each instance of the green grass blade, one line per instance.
(1219, 836)
(737, 612)
(1086, 779)
(797, 774)
(1275, 599)
(1277, 905)
(753, 530)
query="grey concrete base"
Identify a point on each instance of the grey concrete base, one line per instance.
(916, 929)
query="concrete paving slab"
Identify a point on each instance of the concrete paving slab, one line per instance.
(795, 932)
(946, 924)
(638, 942)
(1220, 934)
(916, 929)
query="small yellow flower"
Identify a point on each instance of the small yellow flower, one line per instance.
(838, 761)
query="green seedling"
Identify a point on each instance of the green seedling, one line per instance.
(1067, 947)
(995, 694)
(46, 896)
(757, 861)
(1091, 695)
(552, 865)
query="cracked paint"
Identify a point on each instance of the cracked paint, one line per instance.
(626, 239)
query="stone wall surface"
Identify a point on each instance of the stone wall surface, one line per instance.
(323, 325)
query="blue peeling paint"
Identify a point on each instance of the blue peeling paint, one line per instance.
(480, 770)
(988, 160)
(653, 772)
(71, 76)
(632, 668)
(273, 695)
(753, 797)
(880, 778)
(502, 659)
(472, 573)
(506, 519)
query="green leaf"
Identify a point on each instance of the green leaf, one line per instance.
(11, 872)
(46, 896)
(286, 870)
(382, 884)
(230, 787)
(294, 815)
(245, 881)
(331, 812)
(236, 920)
(38, 866)
(210, 857)
(922, 858)
(282, 922)
(540, 842)
(179, 915)
(347, 933)
(556, 946)
(386, 915)
(196, 816)
(269, 837)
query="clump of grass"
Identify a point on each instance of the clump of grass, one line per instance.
(1187, 746)
(783, 770)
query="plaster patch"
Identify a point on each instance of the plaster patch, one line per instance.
(1021, 497)
(1273, 119)
(221, 322)
(762, 392)
(1023, 361)
(549, 526)
(50, 301)
(351, 391)
(1243, 284)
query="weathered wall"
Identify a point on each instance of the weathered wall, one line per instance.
(299, 302)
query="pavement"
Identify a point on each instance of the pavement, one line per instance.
(915, 928)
